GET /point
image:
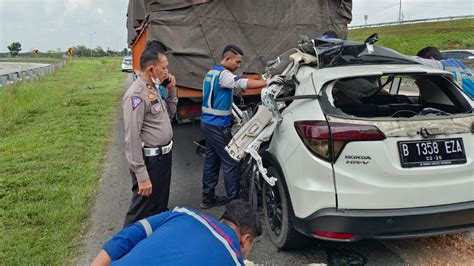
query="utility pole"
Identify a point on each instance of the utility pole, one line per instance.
(400, 12)
(90, 42)
(366, 17)
(116, 43)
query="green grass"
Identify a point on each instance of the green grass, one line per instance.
(409, 39)
(53, 137)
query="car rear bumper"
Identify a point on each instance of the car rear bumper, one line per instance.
(390, 223)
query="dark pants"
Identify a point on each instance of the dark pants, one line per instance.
(159, 170)
(216, 140)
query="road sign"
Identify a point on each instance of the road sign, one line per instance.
(69, 51)
(36, 52)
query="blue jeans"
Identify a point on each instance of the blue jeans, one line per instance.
(216, 139)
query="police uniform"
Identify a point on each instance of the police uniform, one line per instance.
(148, 143)
(216, 121)
(179, 237)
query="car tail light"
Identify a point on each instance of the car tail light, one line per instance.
(335, 235)
(324, 139)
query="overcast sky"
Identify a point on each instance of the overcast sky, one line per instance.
(387, 10)
(53, 24)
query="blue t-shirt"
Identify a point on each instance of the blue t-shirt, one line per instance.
(462, 75)
(179, 237)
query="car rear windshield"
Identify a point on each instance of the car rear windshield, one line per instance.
(394, 95)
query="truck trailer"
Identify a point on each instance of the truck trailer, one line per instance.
(196, 31)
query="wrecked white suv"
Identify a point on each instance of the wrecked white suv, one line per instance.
(359, 142)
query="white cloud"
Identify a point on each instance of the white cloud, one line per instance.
(99, 11)
(72, 5)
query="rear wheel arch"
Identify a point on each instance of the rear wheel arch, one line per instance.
(270, 160)
(293, 237)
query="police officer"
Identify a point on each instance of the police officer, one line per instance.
(219, 85)
(147, 109)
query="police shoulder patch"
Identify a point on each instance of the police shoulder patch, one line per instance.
(136, 101)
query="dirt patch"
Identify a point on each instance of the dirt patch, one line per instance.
(459, 247)
(454, 249)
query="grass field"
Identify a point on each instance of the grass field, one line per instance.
(53, 136)
(409, 39)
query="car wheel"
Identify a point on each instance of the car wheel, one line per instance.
(277, 215)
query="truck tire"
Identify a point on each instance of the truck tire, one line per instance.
(249, 175)
(278, 215)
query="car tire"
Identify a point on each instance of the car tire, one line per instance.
(278, 215)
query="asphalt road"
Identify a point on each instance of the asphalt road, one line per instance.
(11, 67)
(113, 195)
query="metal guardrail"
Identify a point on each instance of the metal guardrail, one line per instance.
(410, 22)
(30, 74)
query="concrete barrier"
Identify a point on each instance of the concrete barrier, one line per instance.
(38, 71)
(29, 74)
(22, 75)
(13, 77)
(3, 81)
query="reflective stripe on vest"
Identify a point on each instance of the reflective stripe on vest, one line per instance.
(216, 112)
(208, 107)
(146, 225)
(209, 227)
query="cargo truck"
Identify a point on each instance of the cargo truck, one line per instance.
(196, 31)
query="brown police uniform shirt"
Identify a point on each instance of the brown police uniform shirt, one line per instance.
(147, 123)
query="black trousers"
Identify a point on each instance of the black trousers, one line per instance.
(216, 156)
(159, 170)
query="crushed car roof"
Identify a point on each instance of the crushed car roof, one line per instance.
(336, 52)
(322, 76)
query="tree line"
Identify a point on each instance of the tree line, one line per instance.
(78, 51)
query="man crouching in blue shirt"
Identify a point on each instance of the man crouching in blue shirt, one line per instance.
(185, 237)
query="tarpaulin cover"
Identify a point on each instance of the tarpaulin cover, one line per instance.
(196, 31)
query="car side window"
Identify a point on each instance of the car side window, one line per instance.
(408, 87)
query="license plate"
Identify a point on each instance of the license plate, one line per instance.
(421, 153)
